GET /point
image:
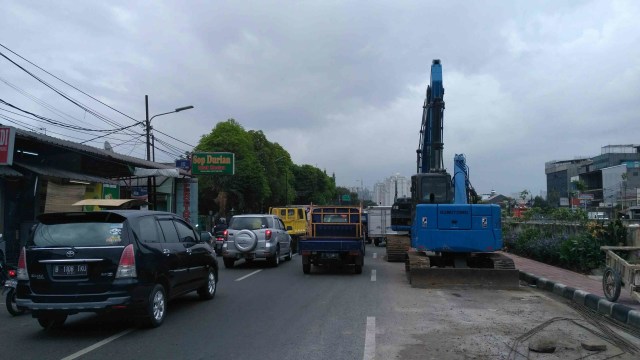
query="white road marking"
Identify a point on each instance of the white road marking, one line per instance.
(246, 276)
(370, 339)
(373, 275)
(375, 255)
(97, 345)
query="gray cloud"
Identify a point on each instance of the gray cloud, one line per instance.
(341, 84)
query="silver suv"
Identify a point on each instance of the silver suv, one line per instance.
(256, 236)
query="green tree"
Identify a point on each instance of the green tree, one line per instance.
(248, 188)
(312, 185)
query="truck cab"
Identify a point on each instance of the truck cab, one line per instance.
(295, 221)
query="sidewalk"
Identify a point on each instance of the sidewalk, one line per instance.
(569, 278)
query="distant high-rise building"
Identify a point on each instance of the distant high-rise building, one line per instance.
(385, 192)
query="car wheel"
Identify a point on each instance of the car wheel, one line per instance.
(275, 260)
(306, 268)
(12, 307)
(51, 321)
(208, 291)
(289, 255)
(157, 307)
(228, 262)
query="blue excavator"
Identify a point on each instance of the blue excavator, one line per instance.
(453, 240)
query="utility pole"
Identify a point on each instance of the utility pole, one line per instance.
(148, 130)
(151, 191)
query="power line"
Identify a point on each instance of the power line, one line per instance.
(172, 147)
(84, 107)
(31, 128)
(114, 109)
(54, 122)
(167, 135)
(67, 97)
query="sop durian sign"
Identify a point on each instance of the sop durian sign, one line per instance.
(213, 163)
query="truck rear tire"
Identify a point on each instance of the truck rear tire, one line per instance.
(358, 269)
(306, 268)
(228, 262)
(376, 242)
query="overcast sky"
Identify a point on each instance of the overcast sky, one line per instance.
(340, 84)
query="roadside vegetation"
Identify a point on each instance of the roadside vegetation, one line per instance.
(562, 237)
(265, 175)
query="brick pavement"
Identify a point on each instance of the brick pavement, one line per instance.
(569, 278)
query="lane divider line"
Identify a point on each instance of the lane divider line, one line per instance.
(370, 339)
(97, 345)
(373, 275)
(375, 255)
(246, 276)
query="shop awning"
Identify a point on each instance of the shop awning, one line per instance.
(6, 170)
(157, 172)
(64, 174)
(112, 203)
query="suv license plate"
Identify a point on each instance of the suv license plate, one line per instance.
(70, 270)
(12, 283)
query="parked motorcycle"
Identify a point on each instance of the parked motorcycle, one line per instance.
(9, 288)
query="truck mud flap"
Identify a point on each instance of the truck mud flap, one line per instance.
(428, 278)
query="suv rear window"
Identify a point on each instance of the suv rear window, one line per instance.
(79, 231)
(248, 222)
(78, 234)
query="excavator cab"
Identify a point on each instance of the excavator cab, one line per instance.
(431, 188)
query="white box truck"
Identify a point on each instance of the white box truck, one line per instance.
(379, 224)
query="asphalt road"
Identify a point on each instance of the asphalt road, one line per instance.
(279, 313)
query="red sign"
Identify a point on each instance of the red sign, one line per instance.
(186, 193)
(7, 141)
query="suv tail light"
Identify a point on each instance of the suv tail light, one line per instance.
(267, 234)
(23, 274)
(127, 265)
(226, 235)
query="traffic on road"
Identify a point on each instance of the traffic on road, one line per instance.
(265, 312)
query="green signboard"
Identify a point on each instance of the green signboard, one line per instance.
(346, 197)
(110, 191)
(213, 163)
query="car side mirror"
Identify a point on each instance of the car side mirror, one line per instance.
(205, 236)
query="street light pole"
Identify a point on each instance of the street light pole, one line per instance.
(151, 194)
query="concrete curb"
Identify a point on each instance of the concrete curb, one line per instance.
(621, 313)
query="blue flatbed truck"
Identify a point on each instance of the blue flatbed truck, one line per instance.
(334, 237)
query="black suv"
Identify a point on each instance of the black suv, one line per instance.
(130, 260)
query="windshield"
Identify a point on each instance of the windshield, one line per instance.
(249, 223)
(79, 234)
(435, 190)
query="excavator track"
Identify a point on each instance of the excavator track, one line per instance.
(397, 247)
(492, 270)
(502, 262)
